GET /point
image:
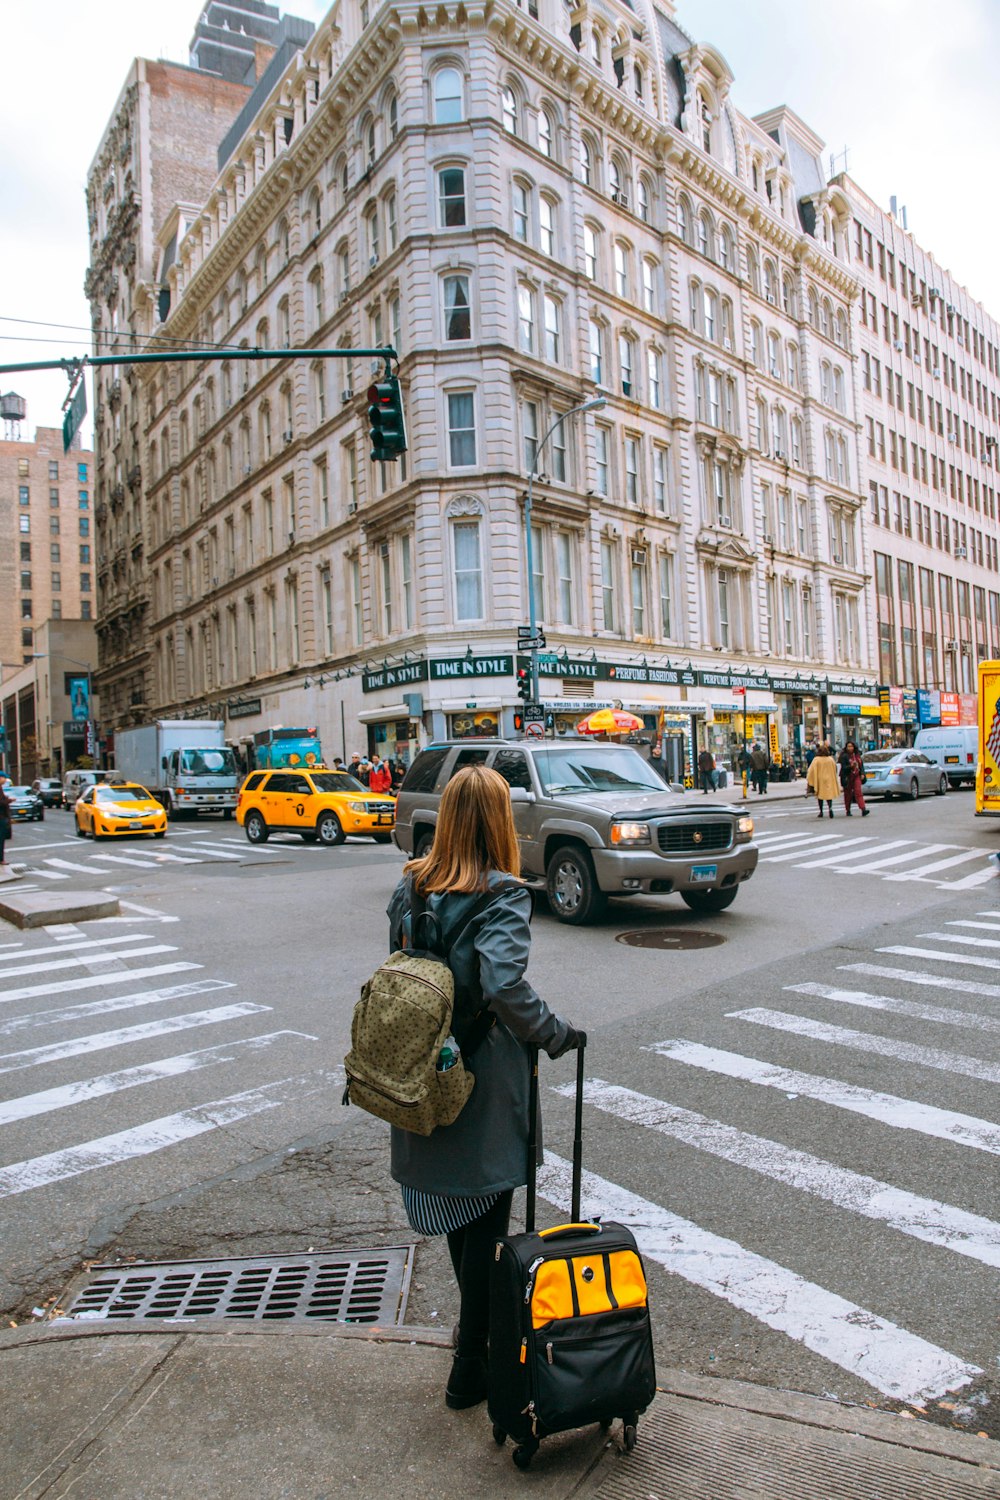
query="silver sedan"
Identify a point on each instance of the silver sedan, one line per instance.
(902, 773)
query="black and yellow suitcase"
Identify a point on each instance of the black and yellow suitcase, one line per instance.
(570, 1337)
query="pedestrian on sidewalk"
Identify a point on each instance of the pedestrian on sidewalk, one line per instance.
(823, 779)
(380, 778)
(460, 1179)
(759, 762)
(4, 826)
(852, 774)
(706, 771)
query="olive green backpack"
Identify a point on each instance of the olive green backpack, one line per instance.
(400, 1024)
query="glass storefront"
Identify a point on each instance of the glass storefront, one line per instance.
(474, 725)
(393, 739)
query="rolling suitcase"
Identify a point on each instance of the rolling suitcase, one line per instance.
(570, 1337)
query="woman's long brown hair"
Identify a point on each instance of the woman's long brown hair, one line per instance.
(475, 833)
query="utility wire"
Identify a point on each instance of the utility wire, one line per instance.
(103, 335)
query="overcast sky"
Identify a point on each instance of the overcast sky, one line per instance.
(908, 86)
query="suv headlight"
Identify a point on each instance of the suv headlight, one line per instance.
(744, 830)
(359, 807)
(630, 833)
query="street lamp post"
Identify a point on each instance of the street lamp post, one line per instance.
(594, 404)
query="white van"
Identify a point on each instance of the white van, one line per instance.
(75, 783)
(955, 748)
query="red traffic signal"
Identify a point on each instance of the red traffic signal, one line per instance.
(524, 684)
(386, 428)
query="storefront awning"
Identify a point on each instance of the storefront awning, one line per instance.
(389, 711)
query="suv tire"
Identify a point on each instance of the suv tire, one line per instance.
(571, 886)
(329, 831)
(424, 845)
(707, 901)
(256, 829)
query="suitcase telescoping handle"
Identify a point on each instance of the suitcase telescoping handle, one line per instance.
(529, 1205)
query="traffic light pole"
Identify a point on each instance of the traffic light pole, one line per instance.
(189, 356)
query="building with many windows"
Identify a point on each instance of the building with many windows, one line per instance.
(46, 557)
(929, 389)
(532, 205)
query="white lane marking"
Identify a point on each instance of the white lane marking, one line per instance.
(70, 864)
(969, 882)
(886, 1109)
(77, 942)
(868, 1041)
(112, 1003)
(961, 937)
(940, 1014)
(981, 926)
(777, 840)
(48, 874)
(144, 911)
(919, 851)
(155, 1135)
(214, 851)
(100, 1041)
(879, 1352)
(51, 844)
(827, 843)
(162, 857)
(122, 859)
(939, 864)
(922, 1218)
(63, 986)
(232, 839)
(84, 1089)
(844, 854)
(901, 950)
(932, 981)
(987, 914)
(51, 965)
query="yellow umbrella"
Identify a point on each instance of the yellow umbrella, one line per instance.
(609, 721)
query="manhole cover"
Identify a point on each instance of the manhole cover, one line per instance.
(667, 937)
(331, 1286)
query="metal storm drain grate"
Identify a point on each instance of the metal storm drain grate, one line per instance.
(333, 1286)
(665, 937)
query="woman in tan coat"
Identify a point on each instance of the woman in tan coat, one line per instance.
(823, 778)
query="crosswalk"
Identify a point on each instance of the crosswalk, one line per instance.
(919, 1126)
(56, 988)
(135, 855)
(961, 867)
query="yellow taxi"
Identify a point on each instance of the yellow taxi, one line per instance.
(317, 804)
(110, 810)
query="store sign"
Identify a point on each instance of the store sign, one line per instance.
(950, 708)
(415, 671)
(472, 666)
(928, 706)
(890, 701)
(968, 708)
(243, 708)
(909, 705)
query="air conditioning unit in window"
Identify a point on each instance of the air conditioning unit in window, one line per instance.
(838, 559)
(620, 197)
(780, 455)
(951, 645)
(918, 301)
(898, 346)
(937, 372)
(372, 262)
(768, 538)
(726, 521)
(343, 296)
(352, 506)
(934, 293)
(961, 552)
(728, 345)
(639, 557)
(287, 435)
(347, 395)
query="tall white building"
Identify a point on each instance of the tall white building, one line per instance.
(532, 205)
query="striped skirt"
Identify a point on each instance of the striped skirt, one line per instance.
(436, 1213)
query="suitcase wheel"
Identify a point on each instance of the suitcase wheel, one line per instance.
(525, 1452)
(499, 1436)
(629, 1431)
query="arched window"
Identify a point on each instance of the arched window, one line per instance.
(813, 309)
(727, 323)
(591, 244)
(587, 162)
(547, 224)
(711, 316)
(447, 96)
(281, 240)
(839, 398)
(760, 417)
(621, 265)
(796, 428)
(545, 133)
(685, 220)
(649, 284)
(626, 361)
(840, 329)
(826, 316)
(756, 344)
(705, 118)
(392, 115)
(774, 356)
(369, 142)
(706, 234)
(508, 110)
(771, 282)
(727, 248)
(260, 269)
(695, 305)
(638, 82)
(753, 269)
(792, 364)
(788, 300)
(642, 199)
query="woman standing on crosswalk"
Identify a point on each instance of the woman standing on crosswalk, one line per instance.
(852, 774)
(822, 778)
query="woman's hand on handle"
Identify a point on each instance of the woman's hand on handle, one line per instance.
(573, 1040)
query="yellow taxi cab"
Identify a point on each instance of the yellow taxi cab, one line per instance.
(315, 803)
(109, 810)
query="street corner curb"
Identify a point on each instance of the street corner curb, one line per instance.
(70, 1330)
(39, 909)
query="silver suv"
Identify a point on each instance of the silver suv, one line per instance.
(594, 820)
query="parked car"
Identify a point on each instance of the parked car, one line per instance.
(49, 788)
(315, 804)
(26, 805)
(902, 773)
(954, 748)
(594, 820)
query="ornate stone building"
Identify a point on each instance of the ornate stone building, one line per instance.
(532, 205)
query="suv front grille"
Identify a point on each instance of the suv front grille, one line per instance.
(683, 838)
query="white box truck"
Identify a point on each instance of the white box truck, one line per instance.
(185, 763)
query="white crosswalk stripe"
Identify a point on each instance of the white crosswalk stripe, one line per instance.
(969, 1019)
(896, 1362)
(871, 854)
(61, 1015)
(50, 965)
(99, 1041)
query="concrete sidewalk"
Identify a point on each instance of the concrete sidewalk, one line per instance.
(230, 1411)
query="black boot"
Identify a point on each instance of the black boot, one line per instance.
(467, 1383)
(830, 809)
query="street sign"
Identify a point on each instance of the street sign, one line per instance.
(533, 643)
(534, 713)
(75, 415)
(534, 730)
(549, 659)
(525, 632)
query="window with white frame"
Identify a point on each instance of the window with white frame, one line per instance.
(526, 319)
(638, 590)
(796, 438)
(621, 268)
(666, 581)
(642, 199)
(316, 287)
(792, 365)
(319, 390)
(596, 353)
(322, 492)
(710, 315)
(727, 249)
(406, 578)
(447, 96)
(587, 163)
(545, 133)
(292, 617)
(391, 227)
(547, 225)
(530, 434)
(521, 207)
(461, 429)
(649, 285)
(609, 592)
(774, 356)
(326, 598)
(602, 450)
(559, 453)
(550, 322)
(457, 308)
(451, 197)
(633, 460)
(706, 234)
(842, 549)
(357, 605)
(590, 252)
(385, 586)
(807, 623)
(538, 571)
(508, 110)
(565, 586)
(468, 570)
(626, 364)
(725, 592)
(272, 629)
(660, 497)
(653, 387)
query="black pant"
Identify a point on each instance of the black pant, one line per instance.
(707, 781)
(472, 1249)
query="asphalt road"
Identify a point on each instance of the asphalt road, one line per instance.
(801, 1119)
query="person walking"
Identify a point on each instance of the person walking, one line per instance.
(759, 762)
(823, 779)
(363, 772)
(706, 771)
(460, 1179)
(4, 826)
(812, 750)
(355, 766)
(380, 777)
(852, 775)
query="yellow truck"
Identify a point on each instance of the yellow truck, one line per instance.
(988, 769)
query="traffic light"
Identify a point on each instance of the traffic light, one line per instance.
(524, 684)
(386, 428)
(518, 722)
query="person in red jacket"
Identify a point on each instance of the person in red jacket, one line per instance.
(380, 779)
